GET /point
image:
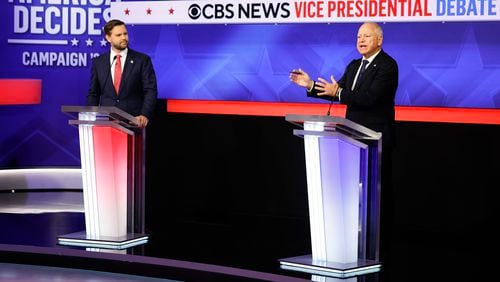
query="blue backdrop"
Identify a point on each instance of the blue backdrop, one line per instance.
(441, 64)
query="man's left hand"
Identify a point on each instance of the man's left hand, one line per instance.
(324, 87)
(141, 121)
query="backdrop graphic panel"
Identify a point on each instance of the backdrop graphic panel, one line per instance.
(441, 64)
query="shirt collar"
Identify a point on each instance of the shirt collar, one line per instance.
(372, 57)
(123, 53)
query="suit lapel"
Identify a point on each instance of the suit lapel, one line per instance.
(105, 76)
(127, 69)
(370, 69)
(354, 69)
(104, 65)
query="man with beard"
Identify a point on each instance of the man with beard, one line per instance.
(122, 77)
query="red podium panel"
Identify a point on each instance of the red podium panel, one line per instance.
(112, 159)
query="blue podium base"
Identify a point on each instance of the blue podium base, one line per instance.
(327, 268)
(80, 239)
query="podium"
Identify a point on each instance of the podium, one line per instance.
(343, 166)
(112, 160)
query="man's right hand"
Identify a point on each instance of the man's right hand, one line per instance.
(301, 78)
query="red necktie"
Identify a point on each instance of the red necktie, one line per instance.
(118, 73)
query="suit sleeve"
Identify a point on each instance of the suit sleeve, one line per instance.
(94, 91)
(314, 93)
(150, 88)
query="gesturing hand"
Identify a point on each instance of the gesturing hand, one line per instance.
(324, 87)
(301, 78)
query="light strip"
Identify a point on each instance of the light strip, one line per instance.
(103, 244)
(40, 178)
(330, 272)
(37, 41)
(88, 175)
(403, 113)
(314, 189)
(24, 171)
(314, 267)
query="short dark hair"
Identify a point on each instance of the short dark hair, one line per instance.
(110, 25)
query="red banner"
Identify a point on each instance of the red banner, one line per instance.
(20, 91)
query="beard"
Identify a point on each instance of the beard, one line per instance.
(121, 46)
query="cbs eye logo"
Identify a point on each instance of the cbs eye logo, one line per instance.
(194, 11)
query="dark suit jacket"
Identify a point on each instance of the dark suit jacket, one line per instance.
(138, 89)
(371, 104)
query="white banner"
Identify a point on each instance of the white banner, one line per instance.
(333, 11)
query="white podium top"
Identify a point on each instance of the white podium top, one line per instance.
(337, 124)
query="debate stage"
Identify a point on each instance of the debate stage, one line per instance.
(226, 199)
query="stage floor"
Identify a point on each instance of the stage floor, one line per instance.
(234, 254)
(36, 273)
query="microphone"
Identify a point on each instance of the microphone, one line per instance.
(330, 107)
(333, 98)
